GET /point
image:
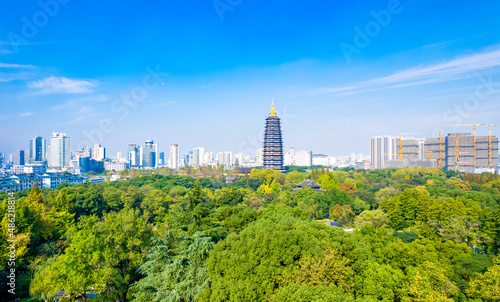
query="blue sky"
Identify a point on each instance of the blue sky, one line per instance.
(202, 73)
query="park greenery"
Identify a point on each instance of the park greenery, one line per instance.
(417, 235)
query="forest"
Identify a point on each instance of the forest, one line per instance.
(407, 234)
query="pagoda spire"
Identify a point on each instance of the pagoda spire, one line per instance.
(273, 111)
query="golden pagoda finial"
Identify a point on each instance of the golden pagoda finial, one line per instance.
(273, 111)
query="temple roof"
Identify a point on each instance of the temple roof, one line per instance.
(309, 183)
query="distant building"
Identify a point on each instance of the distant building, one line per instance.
(198, 156)
(174, 156)
(320, 160)
(381, 150)
(161, 160)
(461, 155)
(35, 169)
(303, 158)
(115, 166)
(238, 160)
(149, 154)
(455, 151)
(273, 142)
(260, 157)
(99, 153)
(227, 158)
(38, 149)
(18, 158)
(133, 155)
(363, 164)
(17, 169)
(60, 150)
(85, 152)
(48, 180)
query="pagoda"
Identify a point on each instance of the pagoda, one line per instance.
(273, 142)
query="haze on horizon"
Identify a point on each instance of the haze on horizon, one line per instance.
(339, 72)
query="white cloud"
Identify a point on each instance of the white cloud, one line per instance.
(456, 69)
(26, 114)
(7, 65)
(62, 85)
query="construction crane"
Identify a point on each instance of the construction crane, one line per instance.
(470, 125)
(430, 157)
(489, 141)
(401, 142)
(440, 150)
(430, 154)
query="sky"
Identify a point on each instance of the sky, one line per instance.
(203, 73)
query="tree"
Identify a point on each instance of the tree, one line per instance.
(458, 229)
(176, 269)
(103, 255)
(256, 263)
(155, 205)
(429, 283)
(342, 214)
(195, 196)
(487, 285)
(377, 218)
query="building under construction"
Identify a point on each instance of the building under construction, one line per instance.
(457, 151)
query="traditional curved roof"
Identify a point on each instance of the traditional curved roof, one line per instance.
(309, 183)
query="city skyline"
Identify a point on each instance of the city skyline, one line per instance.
(349, 70)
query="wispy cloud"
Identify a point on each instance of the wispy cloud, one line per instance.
(456, 69)
(26, 114)
(7, 65)
(62, 85)
(8, 77)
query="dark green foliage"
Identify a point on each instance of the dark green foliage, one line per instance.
(406, 237)
(256, 240)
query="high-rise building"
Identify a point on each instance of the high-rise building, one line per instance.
(455, 151)
(381, 150)
(321, 160)
(174, 156)
(461, 155)
(119, 155)
(198, 156)
(2, 160)
(273, 142)
(161, 159)
(259, 157)
(228, 158)
(85, 152)
(133, 155)
(60, 150)
(38, 149)
(99, 153)
(149, 154)
(303, 158)
(18, 158)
